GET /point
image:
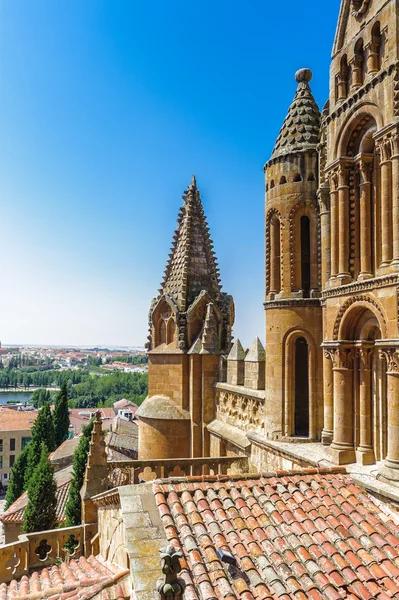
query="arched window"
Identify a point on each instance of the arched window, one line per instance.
(297, 177)
(272, 184)
(161, 332)
(283, 180)
(358, 65)
(374, 57)
(170, 331)
(342, 79)
(311, 177)
(305, 256)
(301, 413)
(275, 255)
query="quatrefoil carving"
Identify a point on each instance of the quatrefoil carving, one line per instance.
(43, 550)
(13, 563)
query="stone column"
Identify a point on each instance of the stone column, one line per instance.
(275, 257)
(384, 151)
(365, 219)
(334, 224)
(357, 71)
(343, 219)
(395, 200)
(342, 449)
(365, 452)
(390, 468)
(373, 50)
(324, 206)
(328, 429)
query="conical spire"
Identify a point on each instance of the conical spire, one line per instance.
(301, 128)
(192, 265)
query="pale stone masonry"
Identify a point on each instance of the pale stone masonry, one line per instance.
(330, 372)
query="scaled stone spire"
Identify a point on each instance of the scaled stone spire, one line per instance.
(301, 128)
(192, 265)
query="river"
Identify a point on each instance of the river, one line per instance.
(14, 396)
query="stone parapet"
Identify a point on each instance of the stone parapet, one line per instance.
(122, 473)
(40, 549)
(240, 407)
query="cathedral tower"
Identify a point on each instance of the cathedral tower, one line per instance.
(359, 206)
(190, 327)
(293, 286)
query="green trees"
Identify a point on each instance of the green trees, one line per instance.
(16, 484)
(42, 433)
(40, 513)
(61, 415)
(40, 397)
(73, 509)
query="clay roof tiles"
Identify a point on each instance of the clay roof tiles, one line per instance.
(80, 579)
(293, 535)
(301, 127)
(15, 513)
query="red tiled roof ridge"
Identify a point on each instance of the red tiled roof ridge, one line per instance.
(86, 576)
(246, 476)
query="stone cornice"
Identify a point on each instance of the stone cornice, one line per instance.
(361, 286)
(108, 498)
(291, 302)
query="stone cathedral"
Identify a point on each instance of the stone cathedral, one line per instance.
(326, 385)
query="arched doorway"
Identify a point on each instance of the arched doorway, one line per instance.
(360, 389)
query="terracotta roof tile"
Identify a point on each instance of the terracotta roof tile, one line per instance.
(15, 512)
(294, 536)
(81, 579)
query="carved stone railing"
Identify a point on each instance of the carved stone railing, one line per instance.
(240, 407)
(140, 471)
(37, 550)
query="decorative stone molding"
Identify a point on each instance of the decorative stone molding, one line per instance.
(361, 286)
(364, 354)
(239, 410)
(348, 304)
(356, 97)
(291, 302)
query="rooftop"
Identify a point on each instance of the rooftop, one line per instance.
(91, 578)
(290, 536)
(15, 512)
(16, 420)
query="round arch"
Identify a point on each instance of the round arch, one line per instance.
(289, 381)
(351, 311)
(348, 126)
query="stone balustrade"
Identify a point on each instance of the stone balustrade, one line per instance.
(240, 407)
(139, 471)
(40, 549)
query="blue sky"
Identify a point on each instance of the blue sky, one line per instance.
(106, 109)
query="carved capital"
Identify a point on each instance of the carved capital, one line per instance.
(384, 148)
(391, 357)
(323, 198)
(342, 175)
(360, 7)
(341, 356)
(333, 180)
(365, 169)
(364, 355)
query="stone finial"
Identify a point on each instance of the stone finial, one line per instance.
(256, 353)
(255, 366)
(235, 364)
(97, 454)
(169, 586)
(96, 474)
(303, 75)
(237, 352)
